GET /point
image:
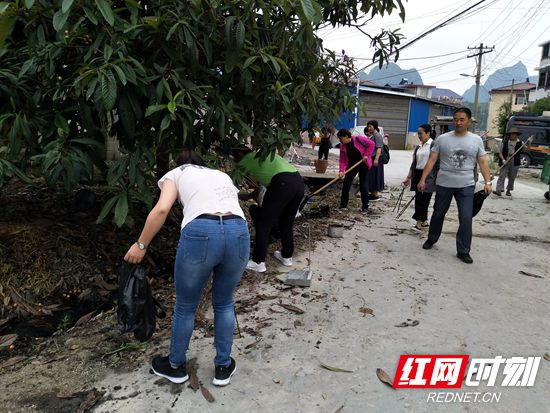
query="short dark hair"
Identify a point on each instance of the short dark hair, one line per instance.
(189, 156)
(427, 128)
(343, 133)
(465, 110)
(374, 124)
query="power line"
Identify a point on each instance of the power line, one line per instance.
(495, 20)
(412, 58)
(515, 35)
(419, 70)
(433, 29)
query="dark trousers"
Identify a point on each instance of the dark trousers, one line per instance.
(465, 201)
(363, 171)
(279, 207)
(324, 147)
(421, 203)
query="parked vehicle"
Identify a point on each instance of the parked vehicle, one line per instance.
(539, 128)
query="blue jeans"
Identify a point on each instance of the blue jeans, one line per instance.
(465, 201)
(206, 246)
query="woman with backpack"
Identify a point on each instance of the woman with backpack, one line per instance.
(214, 239)
(376, 175)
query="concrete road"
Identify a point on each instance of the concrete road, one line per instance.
(376, 295)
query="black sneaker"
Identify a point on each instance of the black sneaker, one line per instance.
(465, 257)
(223, 374)
(364, 211)
(428, 245)
(161, 367)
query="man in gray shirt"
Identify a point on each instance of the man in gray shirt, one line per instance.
(457, 152)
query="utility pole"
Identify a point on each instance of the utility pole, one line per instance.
(481, 50)
(512, 95)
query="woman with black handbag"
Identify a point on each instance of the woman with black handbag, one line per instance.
(420, 158)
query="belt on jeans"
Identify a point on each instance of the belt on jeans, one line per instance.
(217, 217)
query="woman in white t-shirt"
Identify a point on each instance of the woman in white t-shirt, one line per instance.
(214, 240)
(420, 158)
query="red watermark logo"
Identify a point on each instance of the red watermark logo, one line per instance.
(430, 371)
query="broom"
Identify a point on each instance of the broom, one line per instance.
(308, 197)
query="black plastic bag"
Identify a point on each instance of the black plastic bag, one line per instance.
(479, 197)
(137, 308)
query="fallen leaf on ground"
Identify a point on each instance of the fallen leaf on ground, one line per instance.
(336, 369)
(277, 381)
(366, 310)
(101, 283)
(340, 409)
(547, 356)
(207, 395)
(65, 395)
(91, 399)
(11, 361)
(292, 308)
(194, 381)
(383, 377)
(253, 344)
(84, 319)
(7, 340)
(266, 297)
(529, 274)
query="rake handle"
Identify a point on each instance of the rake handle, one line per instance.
(336, 179)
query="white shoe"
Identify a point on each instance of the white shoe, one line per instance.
(256, 266)
(287, 262)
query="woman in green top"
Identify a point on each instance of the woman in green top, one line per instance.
(285, 191)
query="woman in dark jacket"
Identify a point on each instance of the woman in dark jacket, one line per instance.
(420, 157)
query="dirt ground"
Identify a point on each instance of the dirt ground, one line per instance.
(365, 287)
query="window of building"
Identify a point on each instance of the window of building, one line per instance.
(520, 100)
(544, 80)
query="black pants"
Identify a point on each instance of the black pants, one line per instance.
(324, 147)
(421, 203)
(279, 207)
(363, 171)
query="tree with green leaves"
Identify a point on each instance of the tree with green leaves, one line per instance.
(539, 106)
(155, 76)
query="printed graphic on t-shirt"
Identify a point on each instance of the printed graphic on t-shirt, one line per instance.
(224, 192)
(458, 158)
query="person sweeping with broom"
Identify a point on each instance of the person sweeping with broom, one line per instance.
(352, 150)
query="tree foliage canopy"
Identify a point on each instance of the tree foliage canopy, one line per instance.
(539, 106)
(160, 75)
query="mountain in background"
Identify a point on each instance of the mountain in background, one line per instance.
(391, 74)
(499, 78)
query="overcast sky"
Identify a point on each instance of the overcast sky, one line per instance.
(515, 28)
